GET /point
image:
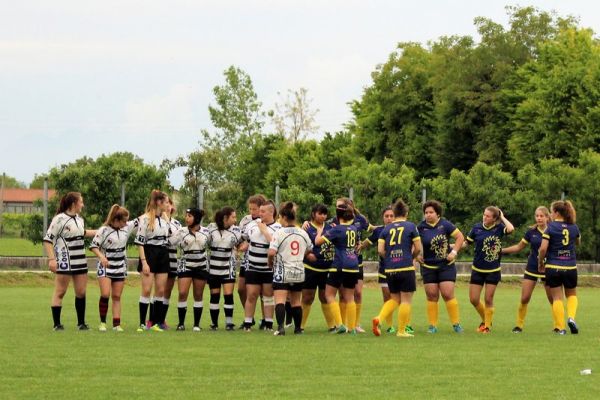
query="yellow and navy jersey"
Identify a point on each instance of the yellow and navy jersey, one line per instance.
(343, 237)
(488, 246)
(398, 238)
(324, 252)
(561, 247)
(533, 237)
(374, 239)
(362, 225)
(436, 240)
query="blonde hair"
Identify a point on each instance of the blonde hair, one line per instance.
(544, 211)
(155, 196)
(116, 213)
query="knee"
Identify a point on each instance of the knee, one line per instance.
(116, 297)
(308, 299)
(474, 301)
(525, 299)
(358, 296)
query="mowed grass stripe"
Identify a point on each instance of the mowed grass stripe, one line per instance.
(40, 363)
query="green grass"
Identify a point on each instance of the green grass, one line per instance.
(40, 363)
(16, 247)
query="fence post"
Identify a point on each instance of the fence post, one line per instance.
(424, 195)
(2, 203)
(562, 196)
(277, 194)
(45, 212)
(123, 194)
(351, 193)
(201, 197)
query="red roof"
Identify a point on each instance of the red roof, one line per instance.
(25, 195)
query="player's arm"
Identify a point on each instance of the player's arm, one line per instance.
(542, 253)
(515, 248)
(271, 257)
(459, 239)
(417, 248)
(509, 228)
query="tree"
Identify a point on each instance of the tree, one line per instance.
(293, 118)
(9, 182)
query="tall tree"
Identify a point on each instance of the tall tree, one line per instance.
(294, 117)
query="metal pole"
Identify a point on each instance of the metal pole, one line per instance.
(123, 194)
(277, 193)
(2, 201)
(562, 196)
(45, 211)
(424, 196)
(351, 193)
(201, 197)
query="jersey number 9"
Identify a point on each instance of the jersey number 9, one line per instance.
(295, 246)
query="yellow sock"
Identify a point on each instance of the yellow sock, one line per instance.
(452, 307)
(343, 306)
(389, 320)
(489, 316)
(351, 315)
(572, 303)
(432, 312)
(403, 316)
(481, 310)
(554, 320)
(387, 310)
(521, 313)
(336, 313)
(305, 312)
(358, 312)
(329, 320)
(559, 314)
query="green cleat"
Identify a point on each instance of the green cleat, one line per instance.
(102, 327)
(342, 329)
(118, 328)
(391, 330)
(409, 329)
(156, 328)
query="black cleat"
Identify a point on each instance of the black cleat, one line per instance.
(180, 328)
(214, 327)
(573, 326)
(229, 327)
(83, 327)
(59, 327)
(516, 329)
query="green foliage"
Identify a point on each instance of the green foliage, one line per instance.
(10, 182)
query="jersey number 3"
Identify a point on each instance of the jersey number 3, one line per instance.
(565, 240)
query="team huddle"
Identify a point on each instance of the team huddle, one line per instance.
(284, 263)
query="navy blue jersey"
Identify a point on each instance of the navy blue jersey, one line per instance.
(343, 238)
(488, 246)
(561, 247)
(398, 238)
(533, 237)
(324, 252)
(436, 239)
(374, 239)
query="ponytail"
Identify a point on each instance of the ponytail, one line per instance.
(221, 215)
(67, 201)
(116, 213)
(400, 209)
(565, 209)
(288, 211)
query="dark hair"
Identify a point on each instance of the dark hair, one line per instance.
(288, 211)
(400, 209)
(344, 212)
(220, 216)
(197, 214)
(495, 212)
(436, 205)
(320, 209)
(67, 201)
(257, 199)
(116, 213)
(272, 204)
(387, 208)
(565, 209)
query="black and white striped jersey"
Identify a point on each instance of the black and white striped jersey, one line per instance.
(243, 225)
(259, 246)
(66, 234)
(113, 244)
(156, 237)
(193, 246)
(174, 227)
(222, 259)
(291, 244)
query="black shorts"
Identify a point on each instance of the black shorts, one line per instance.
(157, 258)
(194, 273)
(340, 278)
(437, 275)
(242, 273)
(531, 276)
(292, 287)
(314, 279)
(258, 278)
(79, 271)
(403, 281)
(481, 278)
(361, 273)
(382, 279)
(215, 281)
(561, 277)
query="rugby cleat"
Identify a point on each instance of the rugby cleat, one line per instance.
(485, 330)
(404, 335)
(481, 327)
(391, 330)
(376, 326)
(458, 328)
(83, 327)
(332, 329)
(196, 329)
(229, 327)
(517, 329)
(409, 329)
(214, 327)
(118, 328)
(102, 327)
(141, 328)
(279, 332)
(572, 326)
(156, 328)
(560, 332)
(432, 329)
(298, 331)
(342, 329)
(59, 327)
(180, 327)
(359, 329)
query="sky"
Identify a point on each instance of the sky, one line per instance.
(85, 78)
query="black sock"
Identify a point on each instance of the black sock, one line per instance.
(197, 315)
(80, 309)
(116, 322)
(165, 310)
(297, 313)
(288, 313)
(152, 311)
(56, 314)
(181, 311)
(103, 307)
(143, 312)
(228, 308)
(214, 308)
(158, 312)
(280, 314)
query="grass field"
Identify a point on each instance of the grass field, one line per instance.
(40, 363)
(17, 247)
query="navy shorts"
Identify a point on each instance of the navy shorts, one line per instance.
(403, 281)
(561, 277)
(361, 273)
(315, 279)
(437, 275)
(339, 278)
(481, 278)
(534, 276)
(215, 281)
(382, 280)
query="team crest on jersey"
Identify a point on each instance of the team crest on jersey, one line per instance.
(439, 245)
(491, 248)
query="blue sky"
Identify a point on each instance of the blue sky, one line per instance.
(90, 77)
